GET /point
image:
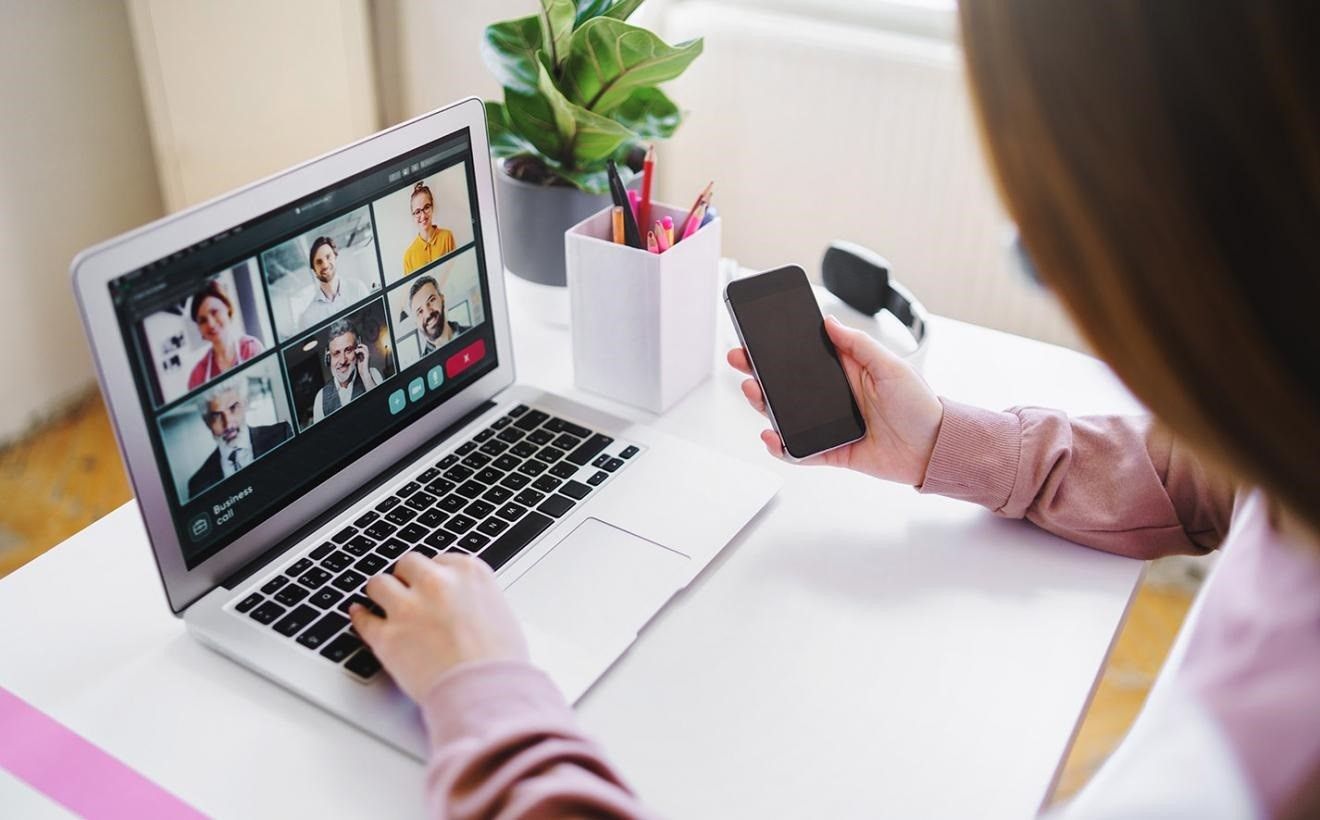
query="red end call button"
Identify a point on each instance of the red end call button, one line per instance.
(465, 358)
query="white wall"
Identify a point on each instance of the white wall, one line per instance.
(75, 168)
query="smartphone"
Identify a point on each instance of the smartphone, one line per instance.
(806, 392)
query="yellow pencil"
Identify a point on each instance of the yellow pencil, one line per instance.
(617, 214)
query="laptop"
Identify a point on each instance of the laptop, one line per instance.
(314, 375)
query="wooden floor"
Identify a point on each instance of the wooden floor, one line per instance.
(68, 473)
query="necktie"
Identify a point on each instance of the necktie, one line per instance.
(234, 459)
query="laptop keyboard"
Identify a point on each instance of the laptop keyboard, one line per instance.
(491, 496)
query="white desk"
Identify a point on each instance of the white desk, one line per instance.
(859, 650)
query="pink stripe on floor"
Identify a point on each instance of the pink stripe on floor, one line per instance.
(73, 772)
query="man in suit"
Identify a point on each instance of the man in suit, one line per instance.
(224, 411)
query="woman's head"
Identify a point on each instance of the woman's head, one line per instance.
(211, 309)
(423, 206)
(1162, 160)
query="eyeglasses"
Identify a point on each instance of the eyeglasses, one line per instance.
(425, 209)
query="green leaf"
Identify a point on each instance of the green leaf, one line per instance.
(556, 24)
(588, 9)
(531, 116)
(509, 49)
(623, 9)
(649, 114)
(593, 182)
(608, 60)
(504, 141)
(590, 137)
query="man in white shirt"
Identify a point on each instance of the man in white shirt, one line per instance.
(224, 412)
(351, 373)
(332, 293)
(428, 308)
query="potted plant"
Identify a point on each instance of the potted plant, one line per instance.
(580, 88)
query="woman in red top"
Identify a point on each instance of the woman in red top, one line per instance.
(213, 311)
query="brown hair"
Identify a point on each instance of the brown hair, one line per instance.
(1162, 160)
(316, 246)
(213, 289)
(420, 188)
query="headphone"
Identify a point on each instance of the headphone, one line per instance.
(327, 351)
(859, 278)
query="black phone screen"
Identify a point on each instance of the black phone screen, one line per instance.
(795, 362)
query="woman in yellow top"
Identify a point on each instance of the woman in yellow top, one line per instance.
(431, 242)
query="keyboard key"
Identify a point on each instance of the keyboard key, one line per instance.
(413, 533)
(497, 494)
(388, 504)
(518, 411)
(428, 475)
(392, 548)
(327, 598)
(556, 505)
(295, 621)
(613, 464)
(273, 585)
(601, 460)
(547, 484)
(422, 549)
(326, 548)
(381, 530)
(523, 449)
(363, 664)
(512, 512)
(292, 594)
(439, 487)
(337, 562)
(298, 567)
(492, 526)
(440, 539)
(518, 536)
(493, 448)
(597, 478)
(447, 462)
(349, 581)
(489, 476)
(484, 435)
(323, 630)
(315, 578)
(267, 612)
(458, 473)
(629, 451)
(506, 462)
(453, 503)
(432, 518)
(550, 454)
(529, 497)
(344, 534)
(530, 420)
(575, 489)
(341, 648)
(366, 519)
(590, 449)
(408, 489)
(473, 542)
(511, 435)
(370, 564)
(401, 515)
(249, 602)
(558, 425)
(539, 437)
(501, 422)
(460, 524)
(359, 599)
(479, 509)
(515, 481)
(471, 489)
(532, 467)
(360, 545)
(420, 501)
(564, 469)
(476, 461)
(566, 442)
(465, 448)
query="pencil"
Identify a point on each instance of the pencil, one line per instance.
(617, 214)
(694, 221)
(651, 244)
(668, 224)
(683, 232)
(648, 169)
(661, 238)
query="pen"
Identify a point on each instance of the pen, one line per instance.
(616, 214)
(661, 238)
(648, 169)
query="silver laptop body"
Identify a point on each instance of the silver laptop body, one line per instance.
(314, 374)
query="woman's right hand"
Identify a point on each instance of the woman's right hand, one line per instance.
(901, 411)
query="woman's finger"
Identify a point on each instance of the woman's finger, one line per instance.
(737, 359)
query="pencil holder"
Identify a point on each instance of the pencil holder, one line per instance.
(643, 323)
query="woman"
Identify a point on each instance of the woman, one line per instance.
(213, 312)
(1162, 160)
(431, 243)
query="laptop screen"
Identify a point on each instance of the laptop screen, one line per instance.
(270, 356)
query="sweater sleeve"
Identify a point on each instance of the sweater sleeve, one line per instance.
(505, 745)
(1116, 483)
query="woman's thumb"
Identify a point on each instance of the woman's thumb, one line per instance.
(862, 348)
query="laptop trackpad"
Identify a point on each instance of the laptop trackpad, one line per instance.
(597, 587)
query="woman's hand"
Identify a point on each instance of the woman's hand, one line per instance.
(438, 613)
(902, 413)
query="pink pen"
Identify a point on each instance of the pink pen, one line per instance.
(633, 199)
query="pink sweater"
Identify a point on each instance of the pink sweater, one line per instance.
(506, 744)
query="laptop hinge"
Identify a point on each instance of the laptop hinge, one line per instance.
(255, 565)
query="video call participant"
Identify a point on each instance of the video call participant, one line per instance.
(212, 310)
(431, 242)
(224, 411)
(333, 293)
(427, 304)
(350, 372)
